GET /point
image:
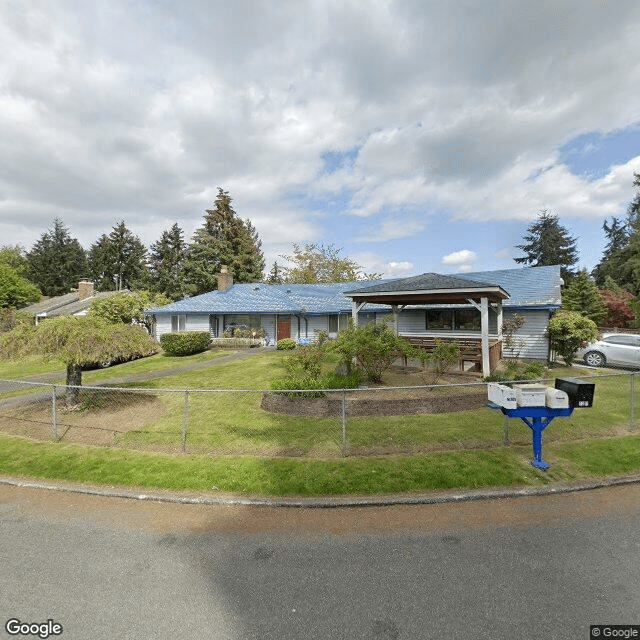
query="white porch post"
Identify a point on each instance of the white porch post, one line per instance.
(355, 307)
(484, 323)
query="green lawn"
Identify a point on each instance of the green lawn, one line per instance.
(249, 445)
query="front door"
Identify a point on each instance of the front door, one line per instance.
(284, 327)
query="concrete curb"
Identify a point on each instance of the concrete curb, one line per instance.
(324, 502)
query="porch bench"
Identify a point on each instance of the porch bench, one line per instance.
(470, 349)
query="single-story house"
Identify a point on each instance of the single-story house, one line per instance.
(75, 303)
(466, 305)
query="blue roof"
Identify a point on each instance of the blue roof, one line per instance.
(526, 286)
(306, 299)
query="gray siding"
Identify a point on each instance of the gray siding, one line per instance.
(531, 340)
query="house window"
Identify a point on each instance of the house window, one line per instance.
(242, 321)
(453, 319)
(366, 318)
(338, 323)
(441, 319)
(178, 323)
(467, 320)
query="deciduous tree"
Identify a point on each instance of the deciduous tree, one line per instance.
(78, 342)
(15, 258)
(16, 291)
(126, 307)
(312, 263)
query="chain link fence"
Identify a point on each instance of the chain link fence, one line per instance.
(369, 421)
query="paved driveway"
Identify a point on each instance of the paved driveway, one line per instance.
(535, 567)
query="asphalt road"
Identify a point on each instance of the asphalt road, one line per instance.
(110, 568)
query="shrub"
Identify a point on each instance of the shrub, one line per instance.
(442, 358)
(373, 346)
(306, 360)
(185, 343)
(293, 383)
(518, 371)
(310, 387)
(567, 331)
(286, 344)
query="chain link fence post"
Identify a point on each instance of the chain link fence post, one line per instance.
(185, 421)
(54, 414)
(632, 402)
(343, 417)
(505, 431)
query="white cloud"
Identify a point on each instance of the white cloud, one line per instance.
(464, 259)
(114, 110)
(460, 257)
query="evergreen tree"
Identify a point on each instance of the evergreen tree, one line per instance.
(118, 261)
(167, 264)
(617, 234)
(275, 275)
(57, 262)
(548, 243)
(582, 295)
(224, 238)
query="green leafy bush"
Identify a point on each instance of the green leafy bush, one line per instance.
(567, 331)
(436, 363)
(306, 361)
(373, 346)
(310, 387)
(518, 371)
(185, 343)
(286, 344)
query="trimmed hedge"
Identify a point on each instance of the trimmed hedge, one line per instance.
(286, 344)
(185, 343)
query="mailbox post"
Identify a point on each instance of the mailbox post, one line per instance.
(537, 419)
(537, 406)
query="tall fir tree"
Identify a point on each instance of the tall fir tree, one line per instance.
(627, 273)
(548, 243)
(617, 234)
(56, 262)
(223, 239)
(275, 275)
(118, 261)
(582, 295)
(167, 264)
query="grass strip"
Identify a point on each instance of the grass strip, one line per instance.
(289, 477)
(610, 456)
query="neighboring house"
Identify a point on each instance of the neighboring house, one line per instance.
(299, 311)
(76, 303)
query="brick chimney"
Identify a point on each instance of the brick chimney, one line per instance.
(225, 279)
(85, 289)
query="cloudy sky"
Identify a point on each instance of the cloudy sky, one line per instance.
(415, 135)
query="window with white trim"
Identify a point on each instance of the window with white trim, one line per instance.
(178, 323)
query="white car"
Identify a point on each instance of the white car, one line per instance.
(620, 349)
